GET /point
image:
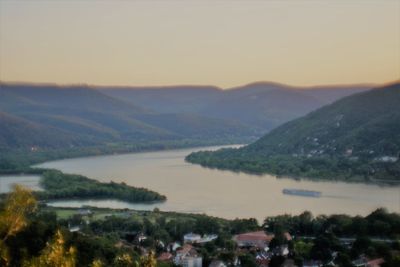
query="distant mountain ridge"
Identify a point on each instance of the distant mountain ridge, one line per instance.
(357, 137)
(17, 132)
(260, 105)
(82, 115)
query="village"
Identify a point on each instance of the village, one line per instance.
(257, 247)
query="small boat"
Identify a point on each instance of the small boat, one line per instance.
(302, 192)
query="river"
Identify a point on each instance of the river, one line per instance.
(192, 188)
(7, 182)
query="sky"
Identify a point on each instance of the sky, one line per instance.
(223, 43)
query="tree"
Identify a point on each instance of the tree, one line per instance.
(343, 260)
(124, 260)
(303, 249)
(361, 245)
(54, 255)
(97, 263)
(247, 260)
(149, 260)
(13, 218)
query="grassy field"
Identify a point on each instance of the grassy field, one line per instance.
(138, 216)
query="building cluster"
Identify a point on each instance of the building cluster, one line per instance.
(187, 255)
(258, 242)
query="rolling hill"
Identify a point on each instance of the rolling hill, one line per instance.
(355, 138)
(20, 133)
(50, 116)
(86, 116)
(261, 106)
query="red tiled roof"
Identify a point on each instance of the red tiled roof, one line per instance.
(165, 256)
(375, 262)
(259, 236)
(254, 236)
(185, 249)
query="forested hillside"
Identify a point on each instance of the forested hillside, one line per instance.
(48, 116)
(355, 138)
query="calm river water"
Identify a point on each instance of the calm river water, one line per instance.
(191, 188)
(8, 181)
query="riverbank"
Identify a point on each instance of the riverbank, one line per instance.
(20, 161)
(56, 185)
(193, 189)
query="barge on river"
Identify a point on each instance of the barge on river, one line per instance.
(302, 192)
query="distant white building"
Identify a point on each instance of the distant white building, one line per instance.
(192, 262)
(187, 251)
(191, 238)
(196, 238)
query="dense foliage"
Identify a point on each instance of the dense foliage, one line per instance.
(58, 185)
(341, 239)
(36, 239)
(110, 237)
(314, 238)
(379, 224)
(356, 138)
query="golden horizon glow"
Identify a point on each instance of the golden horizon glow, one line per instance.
(222, 43)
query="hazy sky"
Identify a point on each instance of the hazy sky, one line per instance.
(223, 43)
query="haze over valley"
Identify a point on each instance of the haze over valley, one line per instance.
(89, 115)
(200, 133)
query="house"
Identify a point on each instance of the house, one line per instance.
(187, 251)
(192, 262)
(253, 239)
(258, 239)
(191, 238)
(216, 263)
(165, 256)
(173, 246)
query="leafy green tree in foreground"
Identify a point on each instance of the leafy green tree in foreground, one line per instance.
(14, 212)
(54, 255)
(13, 218)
